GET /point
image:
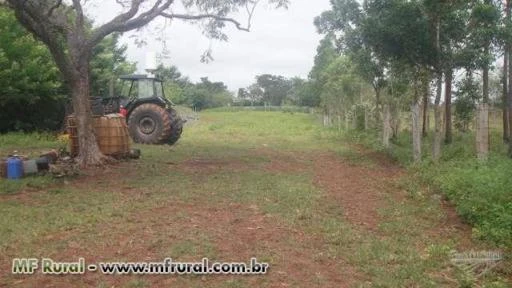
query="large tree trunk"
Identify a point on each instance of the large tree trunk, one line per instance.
(89, 152)
(448, 106)
(436, 147)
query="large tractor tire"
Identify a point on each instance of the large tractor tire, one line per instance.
(150, 124)
(176, 127)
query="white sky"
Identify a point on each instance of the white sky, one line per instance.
(281, 42)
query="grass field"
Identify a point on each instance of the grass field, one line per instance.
(321, 211)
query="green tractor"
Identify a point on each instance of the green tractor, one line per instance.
(151, 118)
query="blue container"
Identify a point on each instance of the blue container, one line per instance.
(14, 168)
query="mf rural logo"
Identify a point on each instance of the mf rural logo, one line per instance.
(48, 266)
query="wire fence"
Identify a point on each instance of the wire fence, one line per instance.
(290, 109)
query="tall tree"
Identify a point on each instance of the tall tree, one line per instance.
(325, 55)
(63, 27)
(345, 23)
(343, 88)
(447, 22)
(448, 27)
(484, 19)
(399, 33)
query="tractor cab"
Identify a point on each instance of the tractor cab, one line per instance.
(140, 89)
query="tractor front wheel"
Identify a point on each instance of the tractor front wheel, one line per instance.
(150, 124)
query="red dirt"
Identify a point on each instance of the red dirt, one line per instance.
(234, 231)
(358, 189)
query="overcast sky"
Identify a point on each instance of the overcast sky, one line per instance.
(281, 42)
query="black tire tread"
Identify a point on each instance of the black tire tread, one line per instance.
(176, 127)
(166, 123)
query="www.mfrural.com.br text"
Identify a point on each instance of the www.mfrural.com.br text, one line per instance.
(168, 266)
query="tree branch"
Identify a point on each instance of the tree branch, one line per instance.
(37, 11)
(124, 22)
(237, 24)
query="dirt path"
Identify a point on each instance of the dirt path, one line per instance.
(230, 231)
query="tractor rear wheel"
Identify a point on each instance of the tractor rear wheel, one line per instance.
(176, 127)
(150, 124)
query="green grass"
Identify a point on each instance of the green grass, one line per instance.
(33, 183)
(242, 130)
(44, 217)
(22, 142)
(480, 190)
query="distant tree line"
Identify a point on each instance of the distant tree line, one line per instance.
(275, 90)
(202, 95)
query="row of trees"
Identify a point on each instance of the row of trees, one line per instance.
(401, 55)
